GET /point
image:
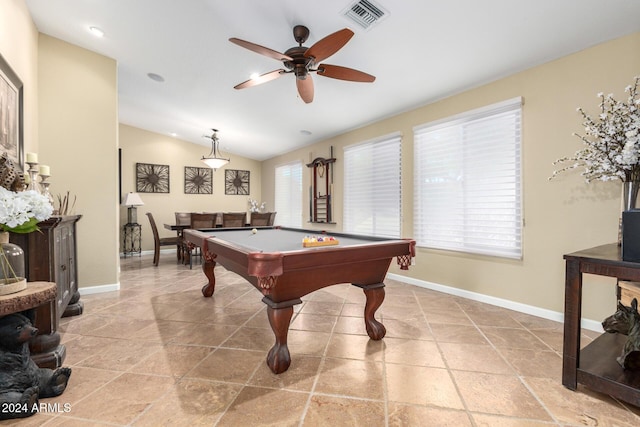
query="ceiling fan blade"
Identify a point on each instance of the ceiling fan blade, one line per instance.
(329, 45)
(261, 50)
(344, 73)
(266, 77)
(305, 88)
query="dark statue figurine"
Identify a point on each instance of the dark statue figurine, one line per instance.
(626, 321)
(22, 382)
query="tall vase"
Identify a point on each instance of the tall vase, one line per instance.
(630, 194)
(12, 277)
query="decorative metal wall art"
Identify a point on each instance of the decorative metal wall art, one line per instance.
(236, 182)
(152, 178)
(198, 180)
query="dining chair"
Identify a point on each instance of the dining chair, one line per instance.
(259, 219)
(183, 219)
(202, 220)
(218, 219)
(234, 219)
(159, 241)
(199, 221)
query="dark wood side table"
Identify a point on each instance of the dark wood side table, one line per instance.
(38, 302)
(595, 366)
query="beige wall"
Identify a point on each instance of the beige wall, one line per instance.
(561, 216)
(140, 146)
(19, 47)
(78, 126)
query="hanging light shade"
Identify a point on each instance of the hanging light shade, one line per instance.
(214, 160)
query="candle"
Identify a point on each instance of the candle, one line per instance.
(44, 170)
(32, 158)
(27, 179)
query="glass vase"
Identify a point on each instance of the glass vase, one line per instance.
(630, 194)
(11, 261)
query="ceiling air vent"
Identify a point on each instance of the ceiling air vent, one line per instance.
(365, 13)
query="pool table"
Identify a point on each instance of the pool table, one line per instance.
(274, 260)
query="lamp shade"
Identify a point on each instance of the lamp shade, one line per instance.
(214, 163)
(132, 199)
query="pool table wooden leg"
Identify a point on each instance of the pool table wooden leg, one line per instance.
(375, 297)
(208, 265)
(279, 315)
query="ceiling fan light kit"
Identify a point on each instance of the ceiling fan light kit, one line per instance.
(300, 61)
(214, 160)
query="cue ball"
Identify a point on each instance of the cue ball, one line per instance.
(254, 231)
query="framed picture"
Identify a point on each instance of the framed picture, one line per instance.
(152, 178)
(11, 118)
(198, 180)
(236, 182)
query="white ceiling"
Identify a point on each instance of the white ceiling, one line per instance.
(422, 51)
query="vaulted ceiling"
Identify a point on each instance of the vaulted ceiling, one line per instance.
(419, 51)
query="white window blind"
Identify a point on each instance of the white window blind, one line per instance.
(467, 187)
(372, 187)
(288, 191)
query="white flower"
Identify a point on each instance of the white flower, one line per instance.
(21, 211)
(611, 140)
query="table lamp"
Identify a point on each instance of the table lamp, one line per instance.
(131, 200)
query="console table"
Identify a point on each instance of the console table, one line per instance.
(50, 255)
(595, 366)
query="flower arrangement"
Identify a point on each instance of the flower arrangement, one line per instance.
(253, 206)
(21, 211)
(612, 140)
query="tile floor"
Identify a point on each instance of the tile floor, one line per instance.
(157, 353)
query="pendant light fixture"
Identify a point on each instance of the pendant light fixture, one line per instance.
(214, 159)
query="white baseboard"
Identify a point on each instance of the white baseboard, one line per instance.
(592, 325)
(88, 290)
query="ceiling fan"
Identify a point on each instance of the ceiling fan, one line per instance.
(301, 61)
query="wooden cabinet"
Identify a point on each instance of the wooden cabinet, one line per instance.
(50, 256)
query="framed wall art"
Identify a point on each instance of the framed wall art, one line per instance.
(236, 182)
(11, 115)
(152, 178)
(198, 180)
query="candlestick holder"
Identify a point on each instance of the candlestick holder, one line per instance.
(45, 187)
(33, 176)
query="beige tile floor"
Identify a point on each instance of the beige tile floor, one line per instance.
(158, 353)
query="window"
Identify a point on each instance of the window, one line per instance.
(288, 192)
(467, 185)
(372, 187)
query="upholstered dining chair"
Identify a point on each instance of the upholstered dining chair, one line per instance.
(199, 221)
(234, 219)
(182, 219)
(260, 219)
(159, 241)
(203, 220)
